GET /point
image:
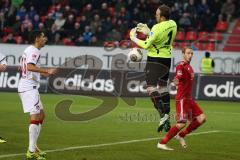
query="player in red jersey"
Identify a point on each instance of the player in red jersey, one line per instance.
(186, 108)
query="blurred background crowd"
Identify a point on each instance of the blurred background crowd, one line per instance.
(93, 22)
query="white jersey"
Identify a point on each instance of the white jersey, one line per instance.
(3, 60)
(29, 79)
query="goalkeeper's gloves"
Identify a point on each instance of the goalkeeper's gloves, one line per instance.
(133, 35)
(143, 28)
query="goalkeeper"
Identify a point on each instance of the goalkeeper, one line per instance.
(159, 46)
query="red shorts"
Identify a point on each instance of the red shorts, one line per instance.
(187, 109)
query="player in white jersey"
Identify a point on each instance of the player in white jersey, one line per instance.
(28, 91)
(3, 65)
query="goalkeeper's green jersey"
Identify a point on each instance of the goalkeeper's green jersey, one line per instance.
(160, 40)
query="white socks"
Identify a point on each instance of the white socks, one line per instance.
(33, 136)
(39, 130)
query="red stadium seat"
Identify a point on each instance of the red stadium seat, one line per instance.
(180, 36)
(210, 46)
(191, 36)
(68, 42)
(203, 36)
(198, 45)
(234, 40)
(236, 30)
(175, 45)
(183, 44)
(216, 36)
(231, 48)
(7, 30)
(222, 26)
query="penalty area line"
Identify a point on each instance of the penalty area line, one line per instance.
(105, 144)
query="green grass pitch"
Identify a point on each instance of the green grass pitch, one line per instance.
(122, 134)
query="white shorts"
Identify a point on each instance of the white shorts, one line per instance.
(31, 101)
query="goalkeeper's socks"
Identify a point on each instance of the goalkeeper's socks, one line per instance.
(171, 133)
(191, 127)
(33, 135)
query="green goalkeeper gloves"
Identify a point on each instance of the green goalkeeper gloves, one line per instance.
(143, 28)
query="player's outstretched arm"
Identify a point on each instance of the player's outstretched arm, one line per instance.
(43, 71)
(51, 71)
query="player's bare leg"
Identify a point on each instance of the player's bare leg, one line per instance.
(171, 133)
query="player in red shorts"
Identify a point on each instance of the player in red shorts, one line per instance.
(186, 108)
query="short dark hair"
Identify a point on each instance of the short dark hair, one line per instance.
(165, 11)
(207, 54)
(35, 34)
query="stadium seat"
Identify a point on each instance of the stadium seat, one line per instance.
(183, 44)
(191, 36)
(210, 46)
(197, 46)
(110, 44)
(234, 40)
(236, 30)
(203, 36)
(238, 22)
(125, 44)
(180, 36)
(221, 26)
(7, 30)
(231, 48)
(68, 42)
(216, 37)
(175, 45)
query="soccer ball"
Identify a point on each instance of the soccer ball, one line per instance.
(135, 55)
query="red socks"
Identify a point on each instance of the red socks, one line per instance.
(171, 133)
(191, 127)
(34, 122)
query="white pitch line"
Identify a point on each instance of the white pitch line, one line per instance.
(104, 144)
(225, 113)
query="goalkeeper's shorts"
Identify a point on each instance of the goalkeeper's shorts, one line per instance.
(157, 71)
